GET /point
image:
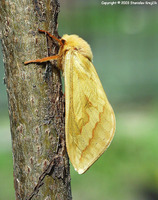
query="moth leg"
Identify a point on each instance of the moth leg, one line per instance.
(60, 41)
(52, 36)
(42, 59)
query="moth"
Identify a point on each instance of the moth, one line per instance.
(89, 120)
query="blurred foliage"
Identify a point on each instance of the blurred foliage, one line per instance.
(124, 44)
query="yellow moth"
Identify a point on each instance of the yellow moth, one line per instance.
(90, 120)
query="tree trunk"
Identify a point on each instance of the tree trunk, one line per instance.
(35, 100)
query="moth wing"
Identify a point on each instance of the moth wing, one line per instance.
(90, 120)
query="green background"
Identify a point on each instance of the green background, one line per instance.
(124, 41)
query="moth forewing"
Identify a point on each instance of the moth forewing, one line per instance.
(90, 120)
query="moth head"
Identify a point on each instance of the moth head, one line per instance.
(75, 43)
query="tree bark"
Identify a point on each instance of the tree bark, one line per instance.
(35, 100)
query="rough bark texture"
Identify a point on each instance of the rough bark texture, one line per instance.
(35, 99)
